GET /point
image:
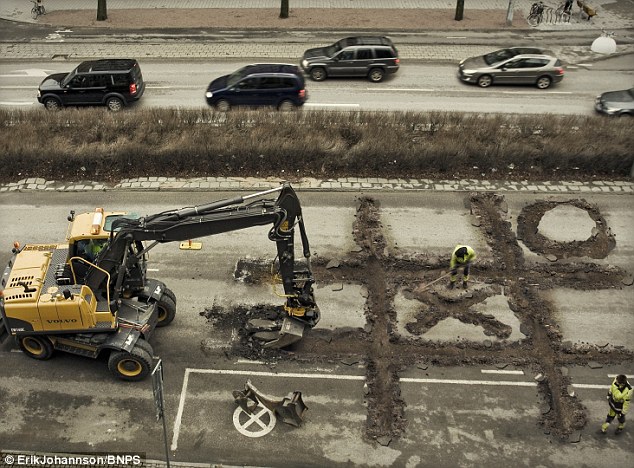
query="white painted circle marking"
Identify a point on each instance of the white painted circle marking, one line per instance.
(262, 417)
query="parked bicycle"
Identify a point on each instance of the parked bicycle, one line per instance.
(38, 9)
(535, 16)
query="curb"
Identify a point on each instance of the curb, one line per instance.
(342, 184)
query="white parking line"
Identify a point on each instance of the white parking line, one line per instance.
(497, 371)
(504, 383)
(188, 371)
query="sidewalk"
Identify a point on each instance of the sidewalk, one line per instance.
(612, 14)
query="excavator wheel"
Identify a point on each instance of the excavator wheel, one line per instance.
(166, 310)
(36, 347)
(133, 366)
(168, 292)
(145, 346)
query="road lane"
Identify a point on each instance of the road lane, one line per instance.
(416, 87)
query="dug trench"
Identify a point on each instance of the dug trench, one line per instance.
(385, 353)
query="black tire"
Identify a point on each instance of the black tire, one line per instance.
(376, 75)
(166, 311)
(145, 346)
(287, 106)
(223, 105)
(318, 74)
(34, 12)
(485, 81)
(50, 103)
(543, 82)
(36, 347)
(133, 366)
(168, 292)
(114, 104)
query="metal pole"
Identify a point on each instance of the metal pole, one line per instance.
(167, 453)
(509, 13)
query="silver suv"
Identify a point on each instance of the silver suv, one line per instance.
(368, 56)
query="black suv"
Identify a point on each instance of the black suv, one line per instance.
(369, 56)
(263, 84)
(114, 83)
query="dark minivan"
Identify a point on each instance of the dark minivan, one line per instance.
(367, 56)
(114, 83)
(279, 85)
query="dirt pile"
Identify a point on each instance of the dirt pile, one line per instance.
(386, 354)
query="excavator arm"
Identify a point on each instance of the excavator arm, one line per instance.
(125, 248)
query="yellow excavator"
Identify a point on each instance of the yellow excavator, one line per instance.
(91, 294)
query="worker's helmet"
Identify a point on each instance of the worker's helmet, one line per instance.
(461, 252)
(621, 380)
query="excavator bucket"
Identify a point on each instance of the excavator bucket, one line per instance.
(292, 331)
(289, 409)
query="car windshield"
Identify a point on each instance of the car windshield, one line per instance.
(499, 56)
(236, 76)
(333, 49)
(69, 77)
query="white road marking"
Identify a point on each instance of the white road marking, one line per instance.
(497, 371)
(277, 374)
(422, 90)
(179, 413)
(153, 269)
(188, 371)
(16, 103)
(316, 104)
(456, 37)
(503, 383)
(246, 361)
(534, 92)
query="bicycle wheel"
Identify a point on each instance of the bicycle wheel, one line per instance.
(533, 19)
(34, 12)
(42, 10)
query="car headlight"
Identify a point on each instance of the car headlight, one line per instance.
(209, 94)
(304, 63)
(468, 72)
(462, 61)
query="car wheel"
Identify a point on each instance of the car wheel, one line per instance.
(223, 105)
(114, 104)
(52, 104)
(543, 82)
(318, 74)
(376, 75)
(485, 81)
(286, 106)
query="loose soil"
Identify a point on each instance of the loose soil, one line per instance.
(385, 353)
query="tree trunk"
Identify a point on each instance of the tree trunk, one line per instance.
(459, 9)
(284, 9)
(102, 10)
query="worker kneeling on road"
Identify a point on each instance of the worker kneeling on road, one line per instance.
(619, 396)
(462, 256)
